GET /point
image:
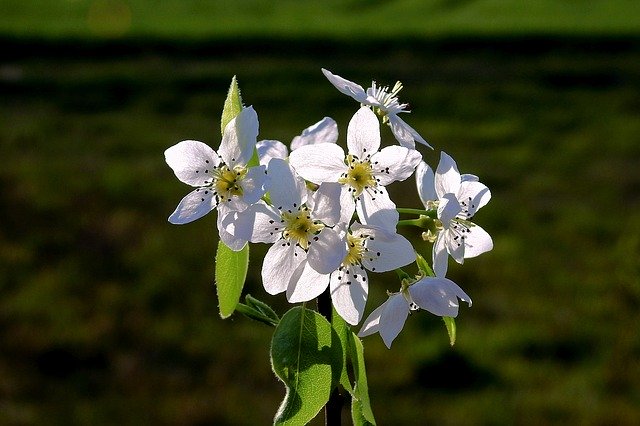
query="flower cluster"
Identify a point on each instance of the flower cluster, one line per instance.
(327, 213)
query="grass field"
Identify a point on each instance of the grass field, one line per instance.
(333, 19)
(108, 313)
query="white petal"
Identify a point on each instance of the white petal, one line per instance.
(425, 182)
(448, 208)
(279, 264)
(363, 133)
(466, 177)
(234, 242)
(438, 296)
(394, 163)
(193, 206)
(476, 242)
(323, 162)
(235, 203)
(306, 284)
(268, 149)
(324, 131)
(372, 323)
(347, 87)
(231, 241)
(440, 256)
(404, 133)
(327, 251)
(447, 178)
(239, 138)
(325, 203)
(474, 195)
(377, 209)
(350, 299)
(259, 223)
(386, 251)
(285, 186)
(192, 162)
(455, 243)
(393, 318)
(253, 184)
(347, 205)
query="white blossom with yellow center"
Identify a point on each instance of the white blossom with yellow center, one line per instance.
(298, 224)
(456, 199)
(363, 173)
(384, 102)
(222, 179)
(368, 248)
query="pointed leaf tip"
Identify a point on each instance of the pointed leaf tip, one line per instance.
(450, 323)
(232, 104)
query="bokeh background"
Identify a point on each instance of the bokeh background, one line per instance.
(108, 314)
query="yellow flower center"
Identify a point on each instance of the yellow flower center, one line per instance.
(226, 182)
(299, 227)
(356, 249)
(359, 176)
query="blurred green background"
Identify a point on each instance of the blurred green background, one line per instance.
(108, 313)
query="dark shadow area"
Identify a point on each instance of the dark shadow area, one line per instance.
(452, 372)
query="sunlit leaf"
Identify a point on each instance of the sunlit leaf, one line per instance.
(361, 412)
(307, 356)
(450, 323)
(232, 104)
(231, 272)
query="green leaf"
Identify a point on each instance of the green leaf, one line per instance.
(307, 356)
(254, 314)
(232, 104)
(231, 272)
(262, 307)
(343, 331)
(361, 412)
(424, 266)
(450, 323)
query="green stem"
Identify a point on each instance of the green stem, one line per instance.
(410, 222)
(430, 213)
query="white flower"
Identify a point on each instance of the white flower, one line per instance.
(222, 179)
(383, 101)
(296, 224)
(368, 248)
(324, 131)
(436, 295)
(457, 198)
(363, 173)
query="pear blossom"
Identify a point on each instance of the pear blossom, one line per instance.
(363, 172)
(368, 248)
(457, 198)
(298, 224)
(436, 295)
(222, 179)
(325, 130)
(383, 101)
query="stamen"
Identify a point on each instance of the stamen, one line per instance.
(300, 228)
(359, 176)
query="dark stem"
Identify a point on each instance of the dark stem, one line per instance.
(333, 409)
